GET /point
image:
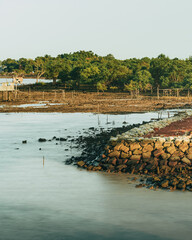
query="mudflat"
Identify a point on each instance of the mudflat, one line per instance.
(68, 102)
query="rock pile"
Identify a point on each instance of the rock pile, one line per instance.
(168, 160)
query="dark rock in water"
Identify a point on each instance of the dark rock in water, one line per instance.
(54, 138)
(92, 128)
(24, 141)
(42, 140)
(139, 185)
(39, 149)
(63, 139)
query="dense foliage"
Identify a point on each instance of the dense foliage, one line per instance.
(86, 68)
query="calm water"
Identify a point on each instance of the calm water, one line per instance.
(62, 202)
(26, 80)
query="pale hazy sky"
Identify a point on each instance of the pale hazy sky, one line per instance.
(125, 28)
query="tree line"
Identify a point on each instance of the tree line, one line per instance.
(105, 73)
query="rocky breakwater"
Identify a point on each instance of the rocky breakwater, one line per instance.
(167, 161)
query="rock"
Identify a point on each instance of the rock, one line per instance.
(134, 146)
(158, 152)
(174, 158)
(96, 168)
(148, 148)
(181, 185)
(137, 152)
(114, 161)
(171, 149)
(165, 156)
(189, 156)
(24, 141)
(121, 167)
(114, 154)
(124, 149)
(190, 150)
(108, 166)
(167, 144)
(42, 140)
(124, 155)
(81, 163)
(118, 146)
(165, 184)
(135, 157)
(186, 160)
(151, 166)
(140, 185)
(146, 155)
(158, 145)
(63, 139)
(172, 163)
(183, 147)
(177, 142)
(163, 162)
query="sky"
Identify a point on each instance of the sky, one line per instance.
(124, 28)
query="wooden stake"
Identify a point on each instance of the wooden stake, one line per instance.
(157, 92)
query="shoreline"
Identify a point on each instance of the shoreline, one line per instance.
(159, 162)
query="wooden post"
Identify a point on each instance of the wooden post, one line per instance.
(157, 92)
(43, 95)
(177, 92)
(98, 108)
(5, 95)
(188, 94)
(55, 96)
(29, 93)
(63, 94)
(9, 96)
(131, 94)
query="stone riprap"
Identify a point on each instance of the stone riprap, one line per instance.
(168, 160)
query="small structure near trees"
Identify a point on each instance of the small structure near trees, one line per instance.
(6, 88)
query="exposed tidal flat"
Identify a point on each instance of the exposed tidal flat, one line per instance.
(58, 201)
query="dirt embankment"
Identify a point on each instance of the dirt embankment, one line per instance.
(179, 128)
(60, 101)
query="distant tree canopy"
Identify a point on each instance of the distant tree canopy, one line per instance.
(86, 68)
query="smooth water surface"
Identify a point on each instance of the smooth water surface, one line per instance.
(62, 202)
(26, 80)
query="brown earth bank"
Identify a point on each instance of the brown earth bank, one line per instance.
(179, 128)
(67, 102)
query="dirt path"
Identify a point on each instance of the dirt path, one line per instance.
(179, 128)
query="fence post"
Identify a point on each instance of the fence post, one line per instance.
(177, 92)
(157, 92)
(63, 94)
